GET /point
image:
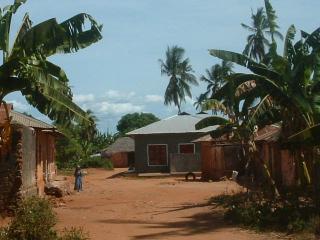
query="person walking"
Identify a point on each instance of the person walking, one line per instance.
(78, 179)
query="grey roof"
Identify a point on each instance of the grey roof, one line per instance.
(25, 120)
(123, 144)
(174, 124)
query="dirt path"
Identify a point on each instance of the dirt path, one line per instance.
(165, 208)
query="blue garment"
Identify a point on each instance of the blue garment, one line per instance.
(79, 183)
(78, 179)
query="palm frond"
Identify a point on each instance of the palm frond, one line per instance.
(271, 18)
(247, 27)
(309, 136)
(49, 37)
(213, 104)
(211, 121)
(313, 39)
(264, 105)
(5, 25)
(288, 46)
(245, 87)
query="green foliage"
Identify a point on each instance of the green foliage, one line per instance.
(211, 121)
(26, 67)
(249, 209)
(132, 121)
(263, 23)
(74, 234)
(215, 77)
(96, 162)
(34, 220)
(79, 143)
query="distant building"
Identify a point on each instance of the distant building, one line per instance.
(166, 145)
(27, 163)
(121, 152)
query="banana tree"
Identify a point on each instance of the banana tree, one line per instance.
(291, 82)
(288, 86)
(26, 67)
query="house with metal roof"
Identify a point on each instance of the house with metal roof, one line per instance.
(27, 156)
(167, 145)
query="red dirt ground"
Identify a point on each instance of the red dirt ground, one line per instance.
(149, 208)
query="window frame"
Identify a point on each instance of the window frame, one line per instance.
(194, 148)
(167, 156)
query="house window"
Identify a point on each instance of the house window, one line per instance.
(187, 148)
(157, 155)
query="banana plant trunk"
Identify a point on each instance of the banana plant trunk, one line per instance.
(316, 187)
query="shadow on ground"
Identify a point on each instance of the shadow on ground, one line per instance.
(195, 224)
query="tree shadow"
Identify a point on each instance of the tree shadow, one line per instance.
(195, 224)
(122, 174)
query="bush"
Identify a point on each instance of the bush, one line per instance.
(97, 162)
(34, 219)
(94, 162)
(74, 234)
(3, 234)
(256, 212)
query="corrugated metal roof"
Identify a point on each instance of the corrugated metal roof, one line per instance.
(25, 120)
(269, 133)
(123, 144)
(208, 138)
(174, 124)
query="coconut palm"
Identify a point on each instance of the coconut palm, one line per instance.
(199, 101)
(26, 67)
(263, 23)
(215, 77)
(180, 72)
(256, 41)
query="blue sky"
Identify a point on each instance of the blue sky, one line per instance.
(121, 73)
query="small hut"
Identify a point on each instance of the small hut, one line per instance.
(27, 159)
(121, 152)
(219, 157)
(280, 162)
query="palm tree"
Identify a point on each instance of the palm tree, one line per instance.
(199, 101)
(215, 79)
(179, 71)
(291, 83)
(257, 43)
(288, 87)
(26, 67)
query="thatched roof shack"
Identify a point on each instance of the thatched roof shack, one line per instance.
(121, 152)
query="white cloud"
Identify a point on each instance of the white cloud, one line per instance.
(19, 105)
(115, 94)
(154, 98)
(83, 98)
(118, 108)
